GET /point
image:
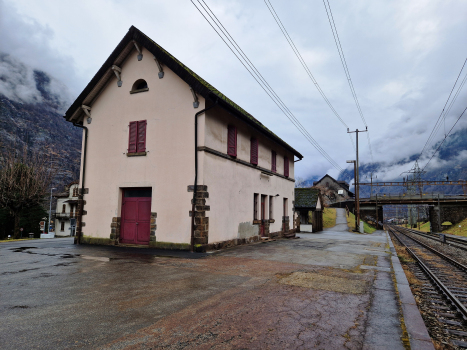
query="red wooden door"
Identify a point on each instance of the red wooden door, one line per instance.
(136, 216)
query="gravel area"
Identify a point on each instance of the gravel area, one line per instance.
(422, 291)
(458, 254)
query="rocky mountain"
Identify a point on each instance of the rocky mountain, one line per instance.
(449, 163)
(31, 109)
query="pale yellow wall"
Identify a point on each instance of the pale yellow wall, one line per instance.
(217, 121)
(231, 185)
(231, 188)
(168, 166)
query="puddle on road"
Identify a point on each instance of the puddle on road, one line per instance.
(69, 256)
(96, 258)
(22, 249)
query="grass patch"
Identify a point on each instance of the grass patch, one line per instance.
(367, 228)
(329, 217)
(16, 240)
(424, 226)
(458, 231)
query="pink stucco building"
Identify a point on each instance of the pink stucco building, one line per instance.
(169, 161)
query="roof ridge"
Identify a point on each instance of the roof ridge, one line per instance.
(199, 84)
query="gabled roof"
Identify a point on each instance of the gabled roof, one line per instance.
(199, 85)
(341, 183)
(66, 191)
(306, 198)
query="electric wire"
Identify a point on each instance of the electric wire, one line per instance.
(444, 138)
(346, 69)
(248, 65)
(300, 58)
(446, 112)
(435, 128)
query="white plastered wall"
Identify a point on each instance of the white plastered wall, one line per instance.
(168, 167)
(59, 210)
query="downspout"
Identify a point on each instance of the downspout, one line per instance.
(193, 204)
(81, 193)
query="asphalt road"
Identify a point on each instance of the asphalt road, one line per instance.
(313, 292)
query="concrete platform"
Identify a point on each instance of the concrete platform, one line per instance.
(329, 290)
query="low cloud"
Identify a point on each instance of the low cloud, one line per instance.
(21, 83)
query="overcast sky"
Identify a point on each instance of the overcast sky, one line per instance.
(403, 57)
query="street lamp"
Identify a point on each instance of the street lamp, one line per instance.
(50, 209)
(357, 203)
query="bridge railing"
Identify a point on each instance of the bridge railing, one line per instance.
(424, 196)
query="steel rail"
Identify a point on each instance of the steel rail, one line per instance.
(456, 242)
(450, 298)
(443, 256)
(434, 234)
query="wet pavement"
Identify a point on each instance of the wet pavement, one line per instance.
(330, 290)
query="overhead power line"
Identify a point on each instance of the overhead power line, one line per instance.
(214, 22)
(444, 112)
(346, 69)
(445, 137)
(300, 58)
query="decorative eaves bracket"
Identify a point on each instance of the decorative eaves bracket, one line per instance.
(87, 111)
(161, 72)
(140, 54)
(117, 71)
(195, 98)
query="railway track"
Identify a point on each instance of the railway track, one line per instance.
(453, 241)
(444, 287)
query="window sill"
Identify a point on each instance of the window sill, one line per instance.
(136, 154)
(272, 221)
(256, 222)
(140, 90)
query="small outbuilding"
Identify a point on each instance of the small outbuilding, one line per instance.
(308, 206)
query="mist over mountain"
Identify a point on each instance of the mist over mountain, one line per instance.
(31, 109)
(450, 162)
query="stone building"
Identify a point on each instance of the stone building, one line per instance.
(333, 191)
(169, 161)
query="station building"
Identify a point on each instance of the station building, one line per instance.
(169, 161)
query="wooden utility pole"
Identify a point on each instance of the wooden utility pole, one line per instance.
(357, 178)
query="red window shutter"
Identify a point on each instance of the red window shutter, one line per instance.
(141, 146)
(232, 141)
(132, 137)
(273, 161)
(254, 151)
(286, 166)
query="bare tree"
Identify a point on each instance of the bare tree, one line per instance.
(24, 181)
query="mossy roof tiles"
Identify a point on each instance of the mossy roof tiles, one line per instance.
(306, 198)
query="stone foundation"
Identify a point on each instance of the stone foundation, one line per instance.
(201, 248)
(115, 230)
(152, 235)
